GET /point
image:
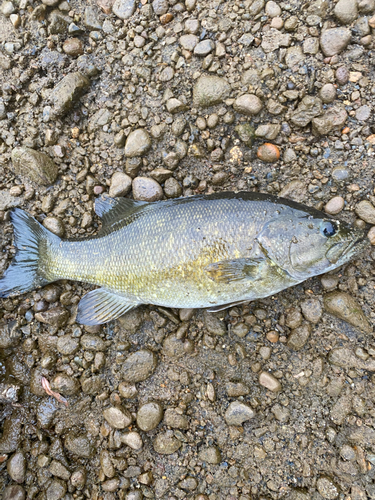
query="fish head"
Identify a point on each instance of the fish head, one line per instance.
(308, 246)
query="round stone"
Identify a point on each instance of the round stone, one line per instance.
(211, 455)
(133, 440)
(334, 40)
(327, 488)
(204, 47)
(342, 75)
(54, 225)
(138, 143)
(79, 445)
(66, 385)
(335, 205)
(118, 418)
(273, 9)
(328, 93)
(248, 104)
(371, 235)
(363, 113)
(346, 11)
(146, 189)
(16, 467)
(172, 188)
(120, 184)
(268, 153)
(149, 416)
(67, 345)
(189, 42)
(210, 90)
(73, 47)
(166, 443)
(139, 366)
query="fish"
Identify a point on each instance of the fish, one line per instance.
(205, 251)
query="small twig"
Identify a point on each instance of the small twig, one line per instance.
(50, 392)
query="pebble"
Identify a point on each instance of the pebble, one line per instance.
(55, 225)
(294, 56)
(342, 75)
(268, 131)
(363, 113)
(73, 47)
(7, 8)
(172, 188)
(299, 337)
(118, 418)
(91, 342)
(67, 345)
(67, 92)
(138, 366)
(308, 108)
(16, 467)
(210, 90)
(328, 93)
(237, 413)
(334, 40)
(213, 324)
(235, 389)
(248, 104)
(211, 455)
(366, 211)
(345, 307)
(173, 419)
(57, 469)
(120, 184)
(79, 445)
(66, 385)
(56, 490)
(166, 443)
(334, 118)
(346, 11)
(189, 42)
(335, 205)
(327, 488)
(289, 156)
(132, 439)
(204, 48)
(312, 310)
(149, 416)
(35, 165)
(138, 143)
(124, 8)
(146, 189)
(269, 381)
(268, 153)
(371, 235)
(273, 9)
(14, 492)
(160, 7)
(56, 316)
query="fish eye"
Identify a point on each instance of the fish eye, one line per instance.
(328, 228)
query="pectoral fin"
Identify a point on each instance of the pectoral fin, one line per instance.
(100, 306)
(228, 271)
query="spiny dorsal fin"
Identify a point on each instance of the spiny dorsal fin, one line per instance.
(111, 210)
(100, 306)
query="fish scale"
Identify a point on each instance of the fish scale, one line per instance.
(201, 251)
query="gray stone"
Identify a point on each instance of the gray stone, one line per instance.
(91, 342)
(344, 306)
(214, 325)
(346, 11)
(120, 184)
(175, 420)
(210, 90)
(57, 469)
(328, 93)
(102, 117)
(204, 47)
(307, 109)
(188, 42)
(14, 492)
(363, 113)
(235, 389)
(58, 22)
(160, 7)
(294, 56)
(79, 446)
(65, 385)
(333, 119)
(268, 131)
(246, 133)
(342, 75)
(311, 46)
(56, 490)
(211, 455)
(248, 104)
(146, 189)
(118, 418)
(8, 201)
(67, 345)
(237, 413)
(299, 336)
(273, 39)
(294, 190)
(166, 444)
(16, 467)
(56, 316)
(67, 92)
(91, 19)
(172, 188)
(327, 488)
(267, 380)
(138, 143)
(34, 165)
(312, 310)
(124, 8)
(333, 41)
(366, 211)
(149, 416)
(139, 365)
(289, 156)
(132, 439)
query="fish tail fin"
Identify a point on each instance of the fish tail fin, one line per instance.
(27, 270)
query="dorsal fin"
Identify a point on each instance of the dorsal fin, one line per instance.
(112, 210)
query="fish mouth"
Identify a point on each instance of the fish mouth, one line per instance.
(347, 248)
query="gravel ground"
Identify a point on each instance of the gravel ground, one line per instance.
(157, 100)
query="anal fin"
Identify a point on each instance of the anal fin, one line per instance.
(100, 306)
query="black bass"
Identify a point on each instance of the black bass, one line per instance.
(199, 252)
